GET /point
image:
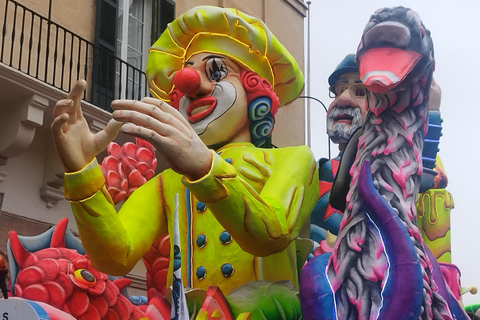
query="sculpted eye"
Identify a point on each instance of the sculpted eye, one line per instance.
(216, 69)
(85, 277)
(360, 92)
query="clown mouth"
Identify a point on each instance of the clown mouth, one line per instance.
(200, 109)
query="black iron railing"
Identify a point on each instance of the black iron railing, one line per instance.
(41, 48)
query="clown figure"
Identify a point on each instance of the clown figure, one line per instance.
(219, 77)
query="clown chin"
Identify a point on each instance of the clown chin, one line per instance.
(225, 94)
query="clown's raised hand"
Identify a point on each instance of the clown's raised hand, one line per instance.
(166, 129)
(75, 144)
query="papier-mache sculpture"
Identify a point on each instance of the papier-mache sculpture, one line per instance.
(380, 267)
(51, 272)
(240, 208)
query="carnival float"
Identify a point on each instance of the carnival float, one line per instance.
(223, 233)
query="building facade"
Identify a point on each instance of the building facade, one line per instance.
(46, 45)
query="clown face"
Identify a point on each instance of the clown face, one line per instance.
(214, 100)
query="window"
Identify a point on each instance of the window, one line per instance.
(133, 40)
(125, 31)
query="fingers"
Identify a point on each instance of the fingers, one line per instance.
(135, 120)
(150, 116)
(78, 89)
(112, 128)
(76, 96)
(57, 125)
(165, 107)
(167, 144)
(105, 136)
(63, 106)
(71, 105)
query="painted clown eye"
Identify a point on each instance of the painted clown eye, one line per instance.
(85, 277)
(216, 69)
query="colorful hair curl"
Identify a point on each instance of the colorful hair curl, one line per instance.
(263, 104)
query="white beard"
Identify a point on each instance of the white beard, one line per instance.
(338, 133)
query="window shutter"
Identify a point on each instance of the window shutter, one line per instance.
(163, 15)
(167, 13)
(104, 56)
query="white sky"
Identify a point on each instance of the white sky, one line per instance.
(336, 27)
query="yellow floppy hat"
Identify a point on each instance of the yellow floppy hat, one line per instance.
(228, 32)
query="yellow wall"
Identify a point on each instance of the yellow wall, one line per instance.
(76, 16)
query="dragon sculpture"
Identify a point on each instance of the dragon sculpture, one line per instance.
(380, 267)
(63, 281)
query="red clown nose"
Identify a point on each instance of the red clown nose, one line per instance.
(187, 80)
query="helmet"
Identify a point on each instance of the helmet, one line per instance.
(346, 65)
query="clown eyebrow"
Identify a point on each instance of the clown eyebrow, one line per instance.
(213, 56)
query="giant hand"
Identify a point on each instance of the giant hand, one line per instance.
(75, 144)
(166, 129)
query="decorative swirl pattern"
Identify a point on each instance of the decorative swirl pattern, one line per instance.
(259, 108)
(175, 97)
(256, 87)
(254, 82)
(261, 129)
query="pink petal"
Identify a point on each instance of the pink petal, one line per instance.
(128, 165)
(129, 149)
(110, 163)
(120, 169)
(149, 174)
(135, 179)
(144, 143)
(142, 167)
(144, 155)
(124, 185)
(112, 192)
(114, 150)
(130, 191)
(121, 196)
(113, 179)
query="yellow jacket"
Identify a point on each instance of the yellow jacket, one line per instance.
(237, 223)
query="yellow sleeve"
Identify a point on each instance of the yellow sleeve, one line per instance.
(264, 222)
(114, 242)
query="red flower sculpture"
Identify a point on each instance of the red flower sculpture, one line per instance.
(128, 167)
(156, 261)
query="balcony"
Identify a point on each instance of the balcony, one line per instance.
(40, 48)
(39, 63)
